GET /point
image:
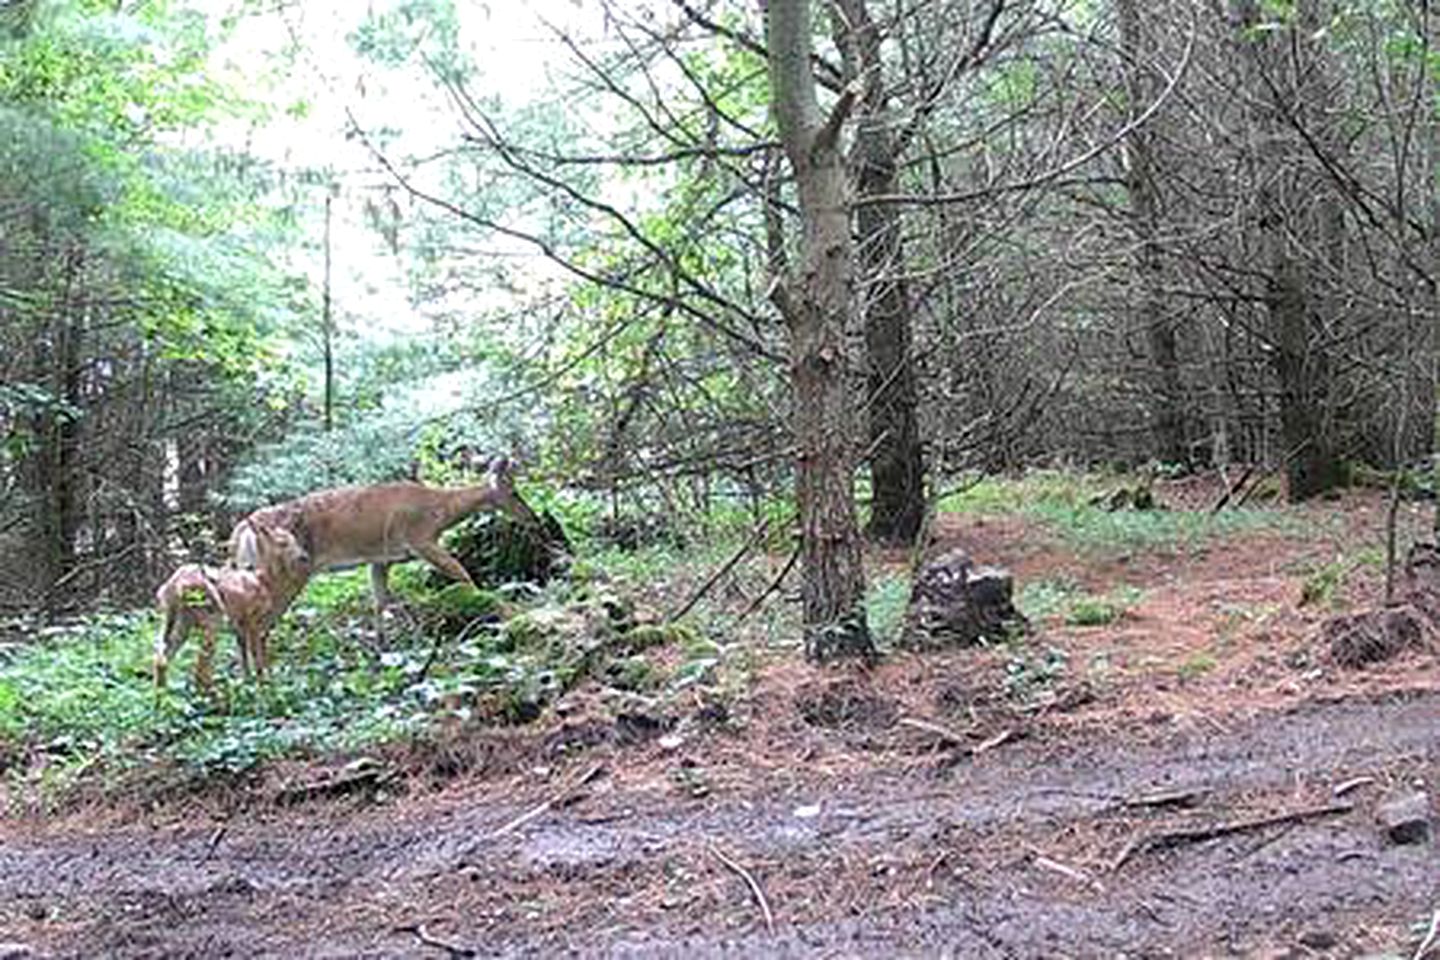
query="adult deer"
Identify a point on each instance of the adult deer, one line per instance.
(252, 600)
(381, 524)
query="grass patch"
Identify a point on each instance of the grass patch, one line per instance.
(1061, 502)
(885, 604)
(1324, 581)
(1196, 666)
(1102, 609)
(1046, 599)
(1061, 598)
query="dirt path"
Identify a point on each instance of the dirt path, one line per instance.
(1005, 855)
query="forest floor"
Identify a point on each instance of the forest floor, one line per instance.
(1197, 780)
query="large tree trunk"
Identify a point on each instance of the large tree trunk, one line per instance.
(1298, 220)
(817, 305)
(897, 472)
(1148, 302)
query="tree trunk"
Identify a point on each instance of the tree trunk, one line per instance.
(1166, 389)
(816, 306)
(897, 472)
(1297, 218)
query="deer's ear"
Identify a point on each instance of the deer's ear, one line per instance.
(502, 470)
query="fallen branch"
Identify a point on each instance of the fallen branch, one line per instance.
(944, 733)
(366, 777)
(1172, 838)
(957, 738)
(215, 839)
(425, 937)
(750, 881)
(1230, 490)
(1004, 736)
(1428, 943)
(556, 801)
(1168, 798)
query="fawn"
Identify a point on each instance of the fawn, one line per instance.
(252, 600)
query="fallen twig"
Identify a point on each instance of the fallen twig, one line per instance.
(1004, 736)
(215, 839)
(1340, 789)
(430, 940)
(750, 881)
(1168, 798)
(1428, 943)
(944, 733)
(1171, 838)
(1065, 870)
(558, 800)
(956, 737)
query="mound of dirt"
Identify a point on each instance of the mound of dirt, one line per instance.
(1371, 636)
(846, 705)
(1358, 639)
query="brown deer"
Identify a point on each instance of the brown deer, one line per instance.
(381, 525)
(252, 600)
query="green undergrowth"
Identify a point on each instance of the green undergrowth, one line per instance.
(1063, 599)
(1061, 502)
(80, 707)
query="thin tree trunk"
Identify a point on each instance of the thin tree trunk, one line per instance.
(816, 306)
(327, 326)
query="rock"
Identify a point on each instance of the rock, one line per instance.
(1125, 498)
(10, 950)
(1319, 940)
(1406, 818)
(953, 603)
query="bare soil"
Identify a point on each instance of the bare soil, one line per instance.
(1199, 781)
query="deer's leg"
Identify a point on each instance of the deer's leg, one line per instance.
(260, 653)
(165, 644)
(438, 557)
(205, 662)
(247, 652)
(380, 585)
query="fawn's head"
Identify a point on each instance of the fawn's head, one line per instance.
(279, 553)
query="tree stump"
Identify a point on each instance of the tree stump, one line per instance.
(954, 603)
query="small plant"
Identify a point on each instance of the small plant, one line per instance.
(885, 605)
(1320, 586)
(1098, 611)
(1030, 674)
(1043, 599)
(1197, 665)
